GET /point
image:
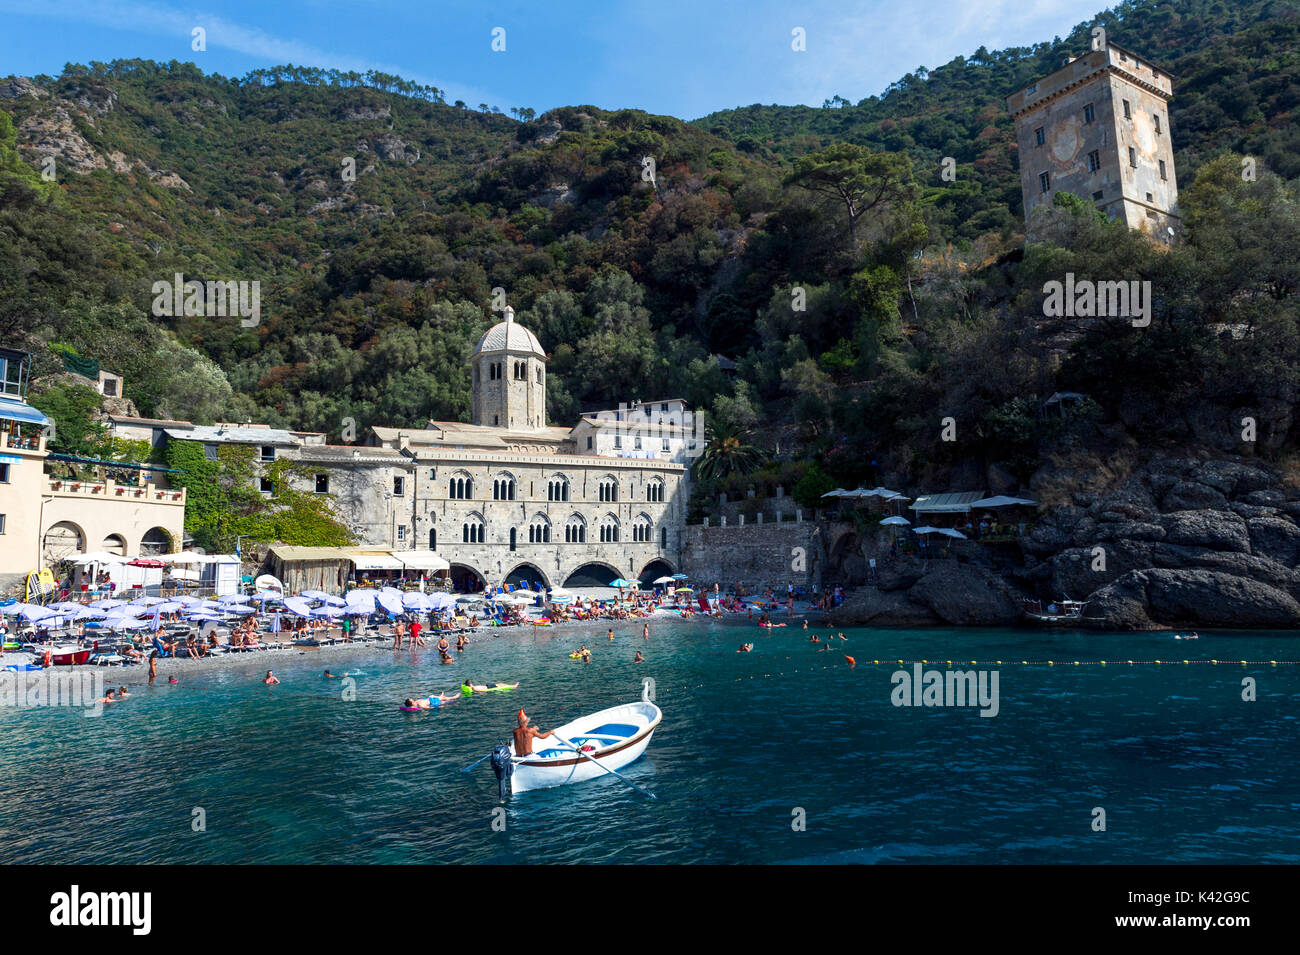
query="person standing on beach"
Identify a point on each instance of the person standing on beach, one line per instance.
(415, 635)
(153, 667)
(645, 631)
(399, 630)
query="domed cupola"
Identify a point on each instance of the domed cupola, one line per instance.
(509, 368)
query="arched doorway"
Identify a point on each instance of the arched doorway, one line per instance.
(592, 575)
(528, 575)
(653, 571)
(466, 580)
(62, 540)
(114, 544)
(156, 541)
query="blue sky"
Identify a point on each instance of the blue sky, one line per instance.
(686, 58)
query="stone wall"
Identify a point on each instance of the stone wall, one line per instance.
(755, 555)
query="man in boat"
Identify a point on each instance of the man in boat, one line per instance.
(525, 734)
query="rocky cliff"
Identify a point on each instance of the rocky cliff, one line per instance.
(1179, 542)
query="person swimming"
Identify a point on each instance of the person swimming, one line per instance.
(270, 679)
(469, 687)
(745, 648)
(638, 658)
(429, 703)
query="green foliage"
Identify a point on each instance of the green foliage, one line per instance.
(222, 502)
(808, 492)
(70, 408)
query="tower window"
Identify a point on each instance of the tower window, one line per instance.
(1089, 114)
(1132, 157)
(1097, 196)
(1094, 160)
(1163, 172)
(1155, 117)
(1128, 111)
(1044, 182)
(1040, 136)
(322, 484)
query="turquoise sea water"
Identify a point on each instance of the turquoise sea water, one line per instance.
(1186, 771)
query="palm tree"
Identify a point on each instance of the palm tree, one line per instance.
(726, 451)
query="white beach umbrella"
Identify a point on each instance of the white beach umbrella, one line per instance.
(896, 521)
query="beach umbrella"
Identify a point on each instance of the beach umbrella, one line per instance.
(950, 532)
(266, 596)
(328, 612)
(108, 603)
(680, 576)
(562, 600)
(391, 600)
(127, 623)
(663, 580)
(146, 601)
(234, 599)
(238, 611)
(896, 522)
(33, 612)
(314, 594)
(89, 613)
(838, 492)
(620, 582)
(298, 606)
(275, 622)
(416, 601)
(170, 606)
(68, 606)
(924, 529)
(156, 623)
(684, 590)
(361, 602)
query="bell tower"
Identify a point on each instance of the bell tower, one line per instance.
(509, 378)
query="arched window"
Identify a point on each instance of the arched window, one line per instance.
(575, 530)
(433, 538)
(473, 531)
(513, 538)
(503, 488)
(609, 530)
(460, 487)
(608, 490)
(642, 528)
(663, 538)
(557, 488)
(539, 530)
(654, 490)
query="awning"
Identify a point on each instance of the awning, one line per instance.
(421, 560)
(21, 411)
(958, 502)
(375, 562)
(1002, 500)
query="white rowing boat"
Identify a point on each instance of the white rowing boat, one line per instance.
(616, 737)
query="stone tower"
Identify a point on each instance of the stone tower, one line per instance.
(1099, 128)
(509, 378)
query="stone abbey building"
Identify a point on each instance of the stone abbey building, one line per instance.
(1098, 128)
(509, 497)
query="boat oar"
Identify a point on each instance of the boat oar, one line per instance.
(475, 763)
(644, 792)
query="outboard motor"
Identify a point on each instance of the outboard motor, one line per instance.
(503, 765)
